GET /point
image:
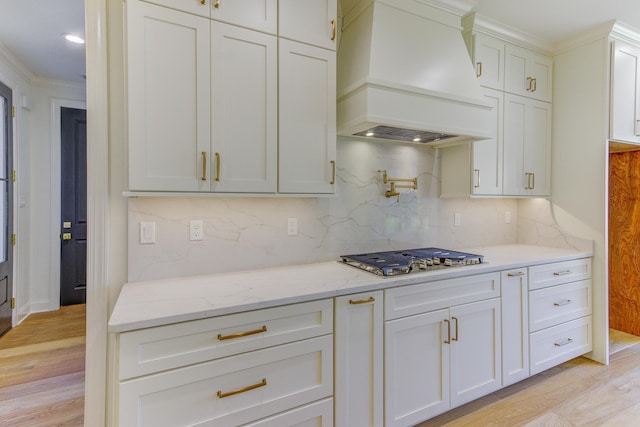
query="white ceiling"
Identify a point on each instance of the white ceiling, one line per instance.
(32, 29)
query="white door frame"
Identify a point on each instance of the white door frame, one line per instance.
(54, 227)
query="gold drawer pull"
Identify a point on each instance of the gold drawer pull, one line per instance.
(448, 340)
(204, 166)
(242, 390)
(456, 319)
(362, 301)
(217, 4)
(562, 273)
(333, 172)
(333, 29)
(563, 342)
(518, 274)
(479, 68)
(217, 166)
(477, 176)
(242, 334)
(563, 302)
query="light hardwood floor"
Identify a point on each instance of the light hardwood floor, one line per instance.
(42, 370)
(577, 393)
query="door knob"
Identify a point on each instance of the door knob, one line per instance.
(66, 236)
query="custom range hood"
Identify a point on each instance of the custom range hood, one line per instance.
(404, 73)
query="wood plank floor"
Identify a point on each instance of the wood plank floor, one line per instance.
(577, 393)
(42, 370)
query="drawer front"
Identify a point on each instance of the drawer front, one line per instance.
(415, 299)
(556, 345)
(231, 391)
(314, 415)
(542, 276)
(166, 347)
(557, 304)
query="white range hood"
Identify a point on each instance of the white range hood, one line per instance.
(404, 73)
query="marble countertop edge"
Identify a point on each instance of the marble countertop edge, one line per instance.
(161, 302)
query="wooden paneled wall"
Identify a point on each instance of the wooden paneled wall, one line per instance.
(624, 241)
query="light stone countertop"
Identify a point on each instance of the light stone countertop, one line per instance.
(161, 302)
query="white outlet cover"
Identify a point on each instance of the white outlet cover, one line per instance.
(147, 233)
(196, 230)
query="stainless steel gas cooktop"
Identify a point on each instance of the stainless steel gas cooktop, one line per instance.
(392, 263)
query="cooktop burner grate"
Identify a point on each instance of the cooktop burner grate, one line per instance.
(392, 263)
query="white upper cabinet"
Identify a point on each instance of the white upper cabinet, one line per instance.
(527, 147)
(307, 147)
(625, 102)
(309, 21)
(217, 105)
(260, 15)
(527, 73)
(244, 110)
(488, 59)
(169, 97)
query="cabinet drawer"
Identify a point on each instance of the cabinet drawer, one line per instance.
(313, 415)
(556, 304)
(415, 299)
(234, 390)
(166, 347)
(541, 276)
(558, 344)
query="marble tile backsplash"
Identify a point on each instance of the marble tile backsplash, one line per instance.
(251, 233)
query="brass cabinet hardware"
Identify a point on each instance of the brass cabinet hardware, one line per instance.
(456, 319)
(204, 166)
(222, 395)
(476, 184)
(535, 85)
(478, 68)
(66, 236)
(562, 273)
(217, 4)
(362, 301)
(518, 274)
(333, 172)
(529, 80)
(242, 334)
(217, 166)
(563, 342)
(333, 29)
(203, 1)
(448, 340)
(561, 303)
(531, 181)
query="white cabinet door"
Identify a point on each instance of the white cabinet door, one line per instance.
(307, 118)
(261, 15)
(515, 326)
(476, 367)
(416, 368)
(244, 110)
(488, 54)
(527, 147)
(309, 21)
(358, 357)
(528, 74)
(169, 94)
(487, 153)
(625, 103)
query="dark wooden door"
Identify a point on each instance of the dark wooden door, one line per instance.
(6, 209)
(73, 233)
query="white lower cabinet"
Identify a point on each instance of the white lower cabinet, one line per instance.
(440, 359)
(515, 325)
(271, 373)
(359, 343)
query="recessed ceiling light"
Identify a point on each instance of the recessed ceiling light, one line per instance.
(74, 38)
(369, 133)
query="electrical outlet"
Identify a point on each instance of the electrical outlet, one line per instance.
(147, 233)
(457, 219)
(196, 230)
(292, 226)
